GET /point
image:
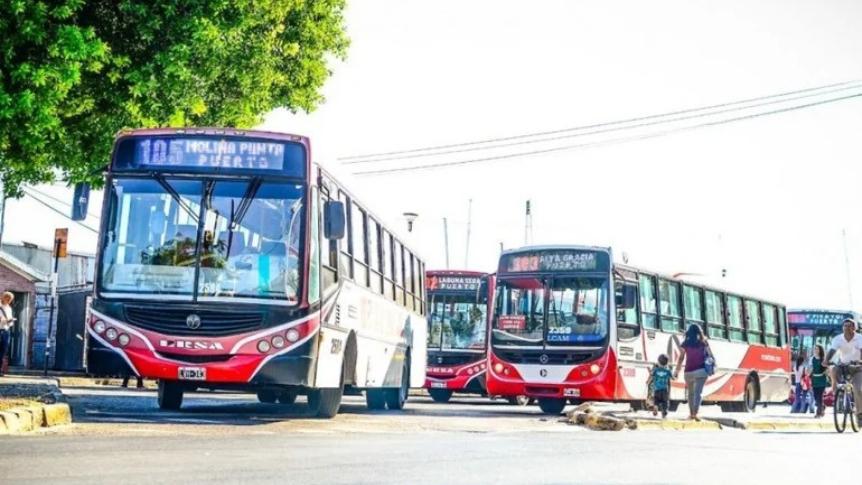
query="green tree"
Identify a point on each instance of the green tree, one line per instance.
(74, 72)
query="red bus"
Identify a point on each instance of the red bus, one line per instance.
(228, 260)
(809, 327)
(570, 325)
(457, 332)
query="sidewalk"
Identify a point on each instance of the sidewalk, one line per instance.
(29, 403)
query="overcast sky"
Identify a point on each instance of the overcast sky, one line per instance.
(765, 198)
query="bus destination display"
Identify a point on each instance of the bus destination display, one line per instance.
(530, 262)
(209, 153)
(817, 318)
(453, 283)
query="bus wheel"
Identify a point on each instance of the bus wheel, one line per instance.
(287, 397)
(440, 395)
(324, 403)
(267, 397)
(518, 400)
(749, 403)
(375, 399)
(552, 405)
(397, 398)
(170, 395)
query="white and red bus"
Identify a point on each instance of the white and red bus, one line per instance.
(569, 324)
(228, 260)
(457, 332)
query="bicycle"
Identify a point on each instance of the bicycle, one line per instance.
(844, 405)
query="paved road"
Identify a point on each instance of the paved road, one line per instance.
(121, 438)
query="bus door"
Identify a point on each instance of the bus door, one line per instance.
(629, 345)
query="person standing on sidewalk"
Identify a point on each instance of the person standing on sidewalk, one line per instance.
(800, 392)
(818, 378)
(7, 320)
(695, 352)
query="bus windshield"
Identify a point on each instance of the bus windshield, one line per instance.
(553, 311)
(457, 322)
(218, 239)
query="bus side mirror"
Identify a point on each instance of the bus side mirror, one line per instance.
(335, 219)
(80, 202)
(627, 297)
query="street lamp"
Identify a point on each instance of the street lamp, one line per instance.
(411, 217)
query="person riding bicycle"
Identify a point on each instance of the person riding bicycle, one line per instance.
(848, 345)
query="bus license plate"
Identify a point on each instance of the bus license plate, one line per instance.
(438, 385)
(193, 373)
(572, 392)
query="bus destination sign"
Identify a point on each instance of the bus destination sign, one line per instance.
(828, 319)
(554, 260)
(453, 283)
(209, 153)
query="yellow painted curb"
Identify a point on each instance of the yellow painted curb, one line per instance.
(779, 426)
(11, 423)
(28, 418)
(56, 414)
(677, 425)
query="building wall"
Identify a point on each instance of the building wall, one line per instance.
(14, 282)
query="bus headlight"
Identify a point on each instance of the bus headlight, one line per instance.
(99, 326)
(263, 346)
(278, 341)
(111, 333)
(595, 369)
(292, 335)
(124, 339)
(498, 367)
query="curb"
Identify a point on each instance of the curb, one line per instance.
(773, 425)
(678, 425)
(24, 419)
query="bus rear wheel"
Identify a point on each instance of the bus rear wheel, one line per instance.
(324, 403)
(268, 397)
(440, 395)
(749, 402)
(397, 398)
(552, 405)
(375, 399)
(170, 395)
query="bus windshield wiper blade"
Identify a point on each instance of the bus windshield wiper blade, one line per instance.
(176, 196)
(245, 203)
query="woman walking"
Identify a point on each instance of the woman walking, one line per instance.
(800, 393)
(818, 378)
(695, 352)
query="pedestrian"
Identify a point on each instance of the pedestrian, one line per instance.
(7, 320)
(695, 352)
(800, 393)
(847, 346)
(126, 381)
(818, 379)
(660, 378)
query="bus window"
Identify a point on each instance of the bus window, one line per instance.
(398, 266)
(752, 319)
(648, 301)
(782, 328)
(668, 296)
(346, 251)
(360, 271)
(770, 327)
(388, 283)
(734, 318)
(627, 318)
(714, 315)
(692, 304)
(374, 276)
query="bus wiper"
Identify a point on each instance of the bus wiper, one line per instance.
(236, 216)
(176, 196)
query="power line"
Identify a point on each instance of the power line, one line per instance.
(598, 125)
(625, 123)
(606, 142)
(55, 199)
(37, 199)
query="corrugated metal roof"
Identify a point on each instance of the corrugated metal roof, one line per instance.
(22, 268)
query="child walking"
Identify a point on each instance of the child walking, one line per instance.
(660, 378)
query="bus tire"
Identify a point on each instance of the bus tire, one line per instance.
(267, 396)
(750, 396)
(170, 395)
(440, 395)
(375, 399)
(287, 397)
(396, 398)
(324, 403)
(552, 405)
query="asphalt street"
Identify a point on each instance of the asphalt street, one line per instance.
(120, 437)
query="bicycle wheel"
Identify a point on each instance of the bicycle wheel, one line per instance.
(838, 413)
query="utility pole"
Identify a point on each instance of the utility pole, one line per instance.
(469, 222)
(446, 239)
(528, 226)
(847, 268)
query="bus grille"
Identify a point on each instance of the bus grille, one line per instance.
(553, 357)
(435, 359)
(172, 321)
(197, 359)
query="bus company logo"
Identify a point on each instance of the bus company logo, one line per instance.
(440, 370)
(543, 372)
(193, 321)
(543, 359)
(770, 358)
(191, 344)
